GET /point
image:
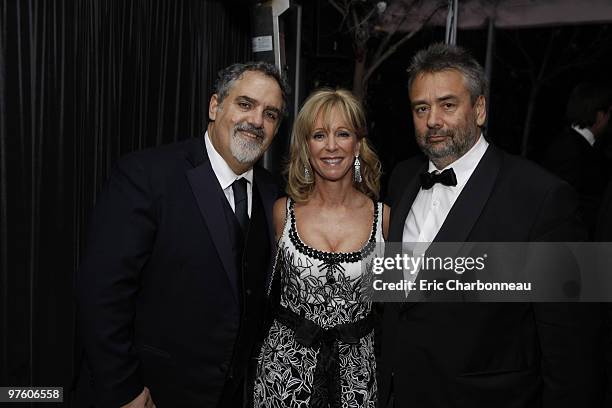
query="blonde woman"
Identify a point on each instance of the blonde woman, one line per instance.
(319, 350)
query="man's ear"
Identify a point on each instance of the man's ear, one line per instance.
(481, 110)
(213, 107)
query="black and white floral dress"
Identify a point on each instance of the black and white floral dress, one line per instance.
(302, 367)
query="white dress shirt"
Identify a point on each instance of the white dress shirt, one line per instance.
(586, 133)
(431, 207)
(226, 176)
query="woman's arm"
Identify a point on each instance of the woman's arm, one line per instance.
(386, 217)
(279, 213)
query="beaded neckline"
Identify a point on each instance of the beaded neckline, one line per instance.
(332, 257)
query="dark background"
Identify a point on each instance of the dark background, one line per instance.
(83, 82)
(577, 53)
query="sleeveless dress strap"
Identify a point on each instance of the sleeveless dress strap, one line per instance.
(379, 222)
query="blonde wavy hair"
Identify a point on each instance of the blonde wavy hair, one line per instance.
(321, 102)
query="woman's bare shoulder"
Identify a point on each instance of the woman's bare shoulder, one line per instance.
(279, 213)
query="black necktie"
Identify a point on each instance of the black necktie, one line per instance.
(447, 177)
(241, 202)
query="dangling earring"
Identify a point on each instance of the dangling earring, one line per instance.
(307, 175)
(357, 172)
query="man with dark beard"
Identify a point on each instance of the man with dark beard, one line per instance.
(171, 289)
(465, 189)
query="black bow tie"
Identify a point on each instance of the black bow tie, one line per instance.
(447, 177)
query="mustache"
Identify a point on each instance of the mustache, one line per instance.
(247, 127)
(439, 132)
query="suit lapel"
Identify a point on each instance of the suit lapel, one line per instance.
(267, 194)
(472, 200)
(399, 213)
(209, 196)
(400, 210)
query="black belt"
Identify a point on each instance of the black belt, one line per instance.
(326, 389)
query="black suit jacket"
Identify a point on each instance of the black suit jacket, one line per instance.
(604, 234)
(495, 354)
(159, 299)
(583, 166)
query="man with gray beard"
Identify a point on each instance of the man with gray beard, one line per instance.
(171, 289)
(466, 190)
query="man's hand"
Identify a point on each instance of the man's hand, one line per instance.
(143, 400)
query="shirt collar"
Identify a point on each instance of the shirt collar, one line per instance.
(465, 165)
(586, 133)
(224, 173)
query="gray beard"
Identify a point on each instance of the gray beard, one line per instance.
(245, 151)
